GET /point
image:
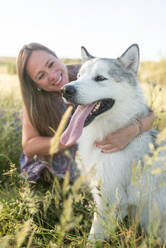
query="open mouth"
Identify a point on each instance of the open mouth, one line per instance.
(100, 107)
(82, 117)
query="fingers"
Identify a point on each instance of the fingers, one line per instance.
(105, 146)
(101, 143)
(108, 148)
(115, 149)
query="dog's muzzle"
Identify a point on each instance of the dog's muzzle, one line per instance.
(68, 92)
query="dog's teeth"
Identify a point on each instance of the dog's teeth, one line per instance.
(96, 107)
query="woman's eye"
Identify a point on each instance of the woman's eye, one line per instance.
(50, 65)
(41, 76)
(100, 78)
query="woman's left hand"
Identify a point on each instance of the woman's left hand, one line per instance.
(118, 140)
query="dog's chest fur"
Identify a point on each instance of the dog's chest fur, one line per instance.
(114, 168)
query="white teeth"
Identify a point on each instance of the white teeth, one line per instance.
(97, 106)
(59, 80)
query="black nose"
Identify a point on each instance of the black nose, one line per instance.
(68, 91)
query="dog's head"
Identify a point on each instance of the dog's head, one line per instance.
(103, 81)
(101, 84)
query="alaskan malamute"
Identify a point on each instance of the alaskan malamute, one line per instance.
(110, 97)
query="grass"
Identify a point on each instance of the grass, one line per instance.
(10, 121)
(57, 214)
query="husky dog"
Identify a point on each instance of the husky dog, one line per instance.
(109, 97)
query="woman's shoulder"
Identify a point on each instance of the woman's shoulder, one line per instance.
(72, 71)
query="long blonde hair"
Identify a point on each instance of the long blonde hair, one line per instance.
(43, 107)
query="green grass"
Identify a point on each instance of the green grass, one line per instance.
(10, 130)
(57, 214)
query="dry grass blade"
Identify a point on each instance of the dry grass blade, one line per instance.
(56, 138)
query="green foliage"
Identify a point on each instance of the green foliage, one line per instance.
(10, 130)
(151, 71)
(71, 61)
(8, 65)
(11, 67)
(56, 215)
(43, 215)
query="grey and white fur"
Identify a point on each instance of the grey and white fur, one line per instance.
(103, 78)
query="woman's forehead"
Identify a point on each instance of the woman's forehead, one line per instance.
(40, 56)
(37, 61)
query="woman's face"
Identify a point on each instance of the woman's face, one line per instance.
(47, 71)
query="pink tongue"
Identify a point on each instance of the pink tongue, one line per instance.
(75, 127)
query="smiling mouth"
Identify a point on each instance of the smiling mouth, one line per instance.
(100, 107)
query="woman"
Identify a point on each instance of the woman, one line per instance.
(41, 75)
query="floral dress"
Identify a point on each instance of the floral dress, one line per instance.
(32, 168)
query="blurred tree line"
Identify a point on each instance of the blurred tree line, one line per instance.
(8, 64)
(149, 71)
(153, 71)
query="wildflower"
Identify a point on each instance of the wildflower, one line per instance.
(17, 119)
(154, 83)
(160, 88)
(18, 127)
(15, 113)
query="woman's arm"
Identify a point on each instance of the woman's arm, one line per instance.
(122, 137)
(32, 142)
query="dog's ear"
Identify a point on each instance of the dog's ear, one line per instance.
(85, 55)
(130, 58)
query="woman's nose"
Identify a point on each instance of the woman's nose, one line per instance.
(54, 75)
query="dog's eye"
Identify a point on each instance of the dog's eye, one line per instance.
(100, 78)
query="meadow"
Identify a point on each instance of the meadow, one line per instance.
(58, 214)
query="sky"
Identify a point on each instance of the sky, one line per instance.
(105, 27)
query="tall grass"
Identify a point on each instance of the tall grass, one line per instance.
(58, 214)
(10, 121)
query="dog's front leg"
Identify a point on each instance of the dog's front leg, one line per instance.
(100, 224)
(110, 210)
(97, 231)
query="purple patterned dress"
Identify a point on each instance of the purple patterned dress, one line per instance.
(32, 168)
